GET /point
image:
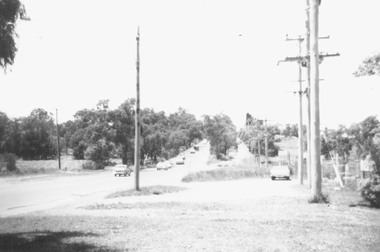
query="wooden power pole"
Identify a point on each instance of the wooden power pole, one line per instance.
(137, 116)
(300, 124)
(305, 61)
(266, 144)
(316, 183)
(308, 124)
(58, 145)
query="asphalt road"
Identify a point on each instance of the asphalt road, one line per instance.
(23, 195)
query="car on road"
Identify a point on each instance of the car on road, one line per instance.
(280, 171)
(165, 165)
(122, 170)
(179, 161)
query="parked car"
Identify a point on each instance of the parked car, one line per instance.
(165, 165)
(280, 171)
(179, 161)
(122, 169)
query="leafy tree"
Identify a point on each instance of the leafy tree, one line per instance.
(154, 134)
(66, 131)
(78, 143)
(290, 130)
(370, 66)
(10, 10)
(221, 133)
(99, 152)
(249, 137)
(36, 131)
(338, 141)
(366, 138)
(93, 139)
(123, 124)
(186, 123)
(4, 122)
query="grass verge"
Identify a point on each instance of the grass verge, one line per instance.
(173, 205)
(149, 190)
(247, 168)
(271, 224)
(322, 198)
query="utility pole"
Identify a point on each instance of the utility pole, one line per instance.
(58, 145)
(137, 116)
(316, 183)
(305, 61)
(258, 141)
(266, 144)
(300, 125)
(308, 125)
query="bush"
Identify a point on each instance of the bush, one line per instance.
(78, 151)
(8, 160)
(100, 153)
(221, 156)
(90, 165)
(370, 190)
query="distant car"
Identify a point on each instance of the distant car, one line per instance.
(280, 171)
(192, 151)
(165, 165)
(122, 169)
(179, 161)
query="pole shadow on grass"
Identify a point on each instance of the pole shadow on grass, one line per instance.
(47, 241)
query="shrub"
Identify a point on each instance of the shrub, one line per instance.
(78, 151)
(100, 153)
(8, 160)
(90, 165)
(370, 190)
(221, 156)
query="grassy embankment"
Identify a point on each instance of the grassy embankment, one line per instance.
(230, 170)
(40, 167)
(263, 224)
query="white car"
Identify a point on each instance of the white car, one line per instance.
(163, 165)
(280, 171)
(122, 169)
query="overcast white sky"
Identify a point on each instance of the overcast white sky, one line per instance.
(207, 56)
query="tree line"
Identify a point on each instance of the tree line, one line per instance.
(101, 134)
(253, 136)
(360, 139)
